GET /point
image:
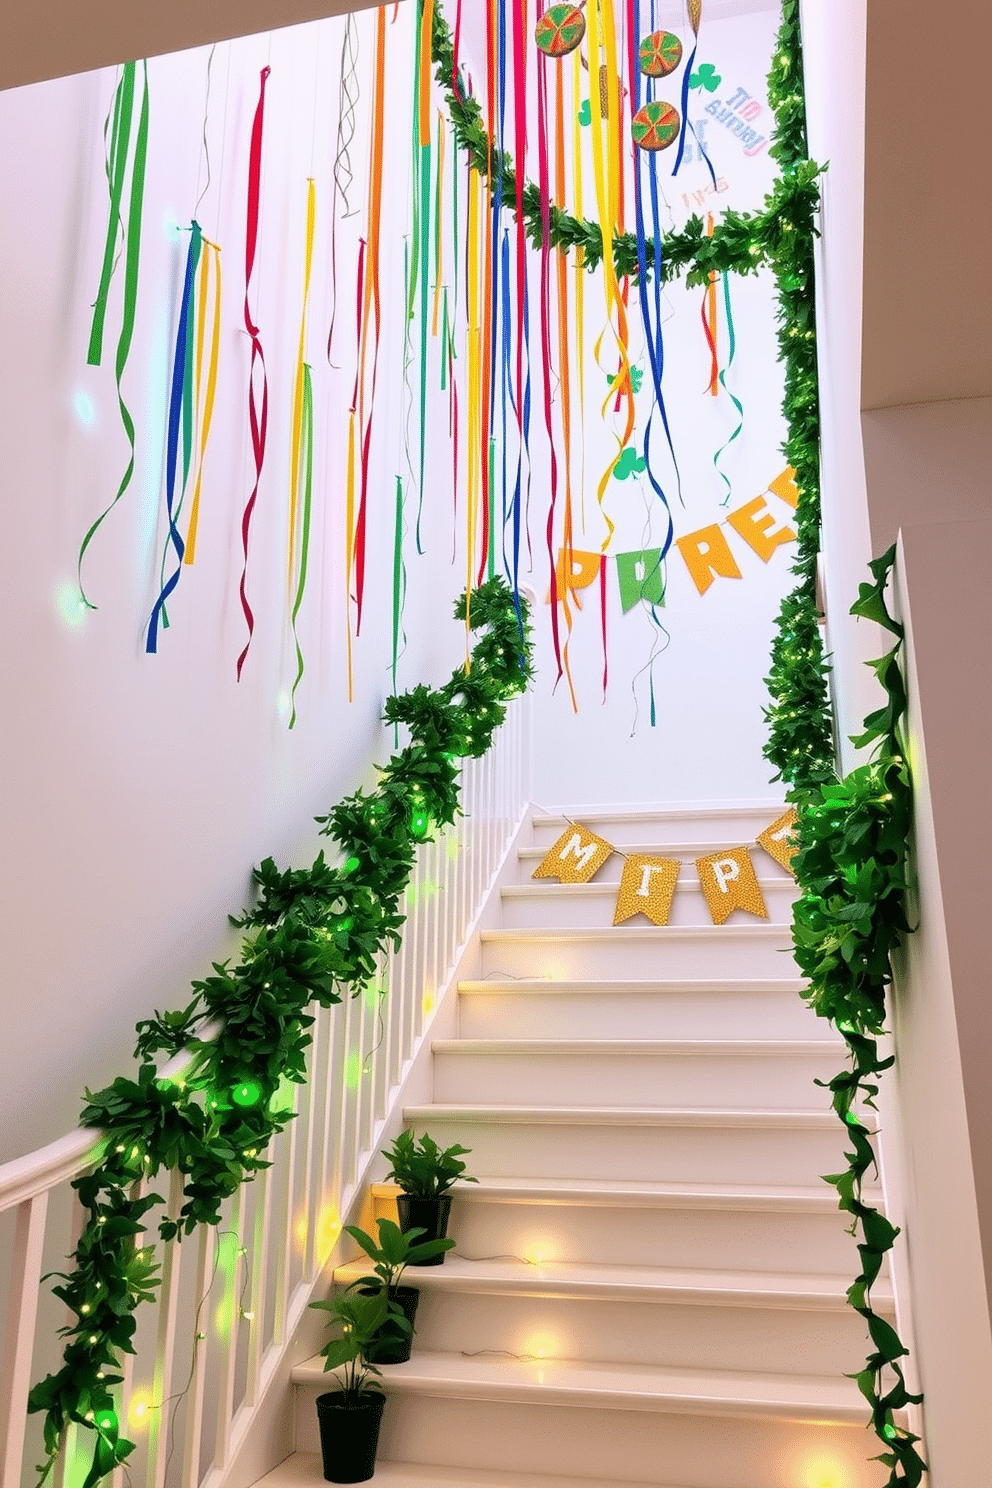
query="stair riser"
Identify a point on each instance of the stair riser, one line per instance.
(594, 911)
(719, 954)
(722, 829)
(640, 1446)
(643, 1332)
(709, 1239)
(686, 852)
(668, 1154)
(623, 1079)
(658, 1015)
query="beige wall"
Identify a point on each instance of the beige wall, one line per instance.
(51, 38)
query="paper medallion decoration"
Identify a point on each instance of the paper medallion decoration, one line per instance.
(575, 857)
(695, 9)
(729, 882)
(779, 840)
(661, 53)
(655, 126)
(647, 887)
(560, 30)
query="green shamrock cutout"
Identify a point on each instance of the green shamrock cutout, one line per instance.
(585, 113)
(629, 463)
(636, 378)
(707, 77)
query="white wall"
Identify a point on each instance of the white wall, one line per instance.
(137, 791)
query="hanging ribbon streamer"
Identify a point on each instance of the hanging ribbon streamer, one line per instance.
(602, 622)
(580, 275)
(206, 389)
(421, 241)
(306, 472)
(258, 414)
(343, 174)
(349, 546)
(649, 285)
(439, 227)
(295, 465)
(399, 580)
(473, 418)
(695, 16)
(546, 372)
(180, 380)
(739, 406)
(709, 319)
(602, 33)
(564, 372)
(123, 114)
(371, 301)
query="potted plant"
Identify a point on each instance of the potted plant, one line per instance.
(395, 1250)
(349, 1417)
(425, 1174)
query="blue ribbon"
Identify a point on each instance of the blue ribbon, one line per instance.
(686, 126)
(179, 366)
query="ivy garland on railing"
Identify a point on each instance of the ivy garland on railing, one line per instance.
(854, 832)
(313, 933)
(848, 922)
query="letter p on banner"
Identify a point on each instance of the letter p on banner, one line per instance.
(729, 882)
(575, 857)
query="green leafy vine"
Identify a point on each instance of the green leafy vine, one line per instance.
(312, 934)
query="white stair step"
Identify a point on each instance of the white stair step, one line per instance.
(737, 949)
(759, 1227)
(708, 1146)
(765, 866)
(647, 1315)
(702, 822)
(593, 905)
(727, 1008)
(304, 1469)
(636, 1072)
(577, 1382)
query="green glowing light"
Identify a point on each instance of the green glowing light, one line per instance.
(350, 866)
(107, 1421)
(353, 1071)
(420, 823)
(345, 922)
(248, 1093)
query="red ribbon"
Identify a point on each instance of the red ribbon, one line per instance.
(258, 419)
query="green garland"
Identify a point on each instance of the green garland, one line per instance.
(848, 922)
(312, 933)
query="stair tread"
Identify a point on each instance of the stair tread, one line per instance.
(635, 1193)
(700, 1048)
(802, 1120)
(618, 1386)
(620, 933)
(687, 811)
(304, 1469)
(598, 988)
(625, 1283)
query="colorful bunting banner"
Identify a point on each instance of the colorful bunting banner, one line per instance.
(641, 577)
(647, 884)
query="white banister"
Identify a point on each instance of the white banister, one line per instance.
(203, 1366)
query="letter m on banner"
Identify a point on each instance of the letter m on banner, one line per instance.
(575, 857)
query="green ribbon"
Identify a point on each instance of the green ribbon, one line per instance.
(132, 251)
(120, 135)
(306, 453)
(723, 383)
(399, 579)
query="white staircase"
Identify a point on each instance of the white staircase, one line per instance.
(649, 1280)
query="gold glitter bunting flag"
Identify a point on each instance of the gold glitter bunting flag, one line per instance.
(779, 840)
(729, 882)
(575, 857)
(647, 887)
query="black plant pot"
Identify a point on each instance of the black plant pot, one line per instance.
(391, 1346)
(349, 1436)
(425, 1214)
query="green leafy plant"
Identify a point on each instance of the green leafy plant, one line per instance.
(422, 1169)
(358, 1320)
(313, 936)
(396, 1249)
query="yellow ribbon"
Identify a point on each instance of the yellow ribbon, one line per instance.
(205, 393)
(295, 466)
